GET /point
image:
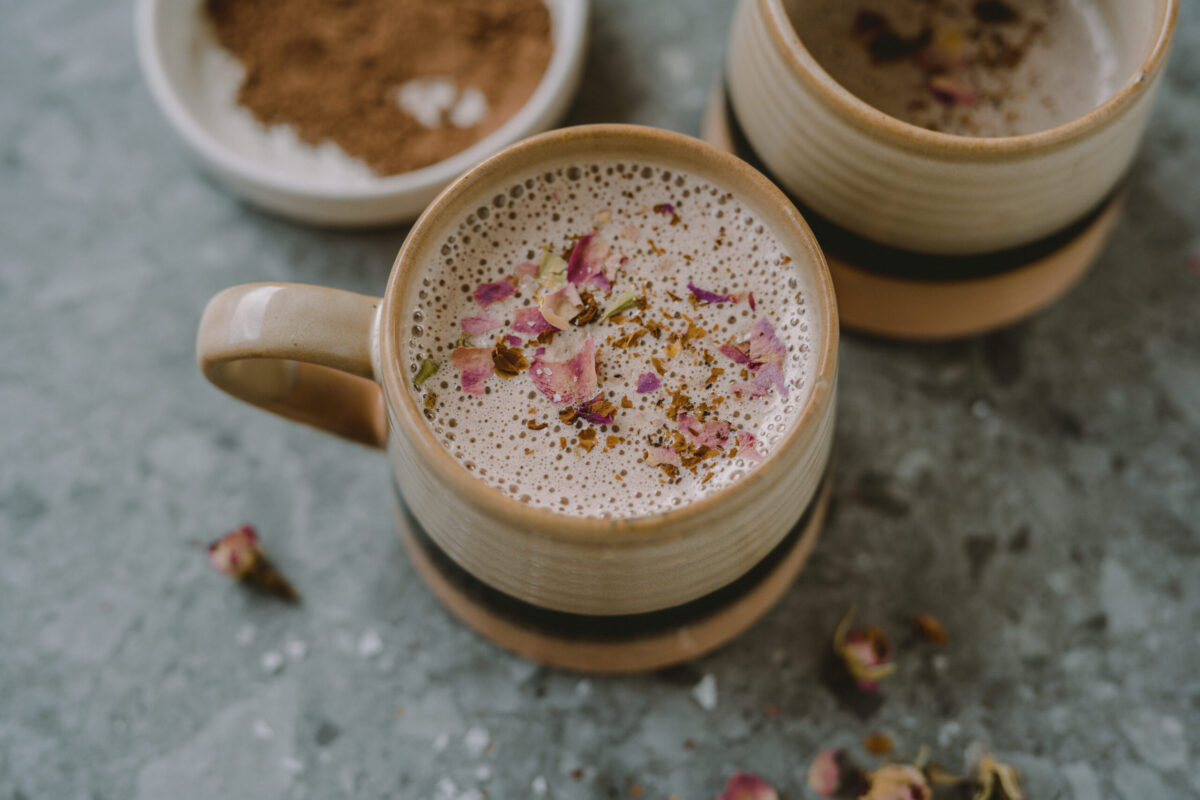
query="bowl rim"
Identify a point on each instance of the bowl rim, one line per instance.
(648, 529)
(569, 43)
(905, 134)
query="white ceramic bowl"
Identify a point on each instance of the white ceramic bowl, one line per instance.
(170, 34)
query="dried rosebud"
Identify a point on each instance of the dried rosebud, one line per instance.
(866, 652)
(620, 303)
(239, 555)
(897, 782)
(997, 781)
(931, 629)
(747, 786)
(825, 773)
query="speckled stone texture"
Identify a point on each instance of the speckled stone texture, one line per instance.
(1039, 490)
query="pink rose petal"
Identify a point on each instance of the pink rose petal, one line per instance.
(594, 417)
(747, 446)
(714, 433)
(705, 296)
(747, 786)
(600, 281)
(764, 344)
(824, 774)
(734, 354)
(559, 306)
(476, 366)
(648, 382)
(526, 269)
(750, 300)
(480, 324)
(768, 375)
(587, 258)
(567, 383)
(488, 293)
(530, 322)
(661, 455)
(514, 341)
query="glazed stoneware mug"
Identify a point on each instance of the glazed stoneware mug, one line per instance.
(933, 234)
(578, 592)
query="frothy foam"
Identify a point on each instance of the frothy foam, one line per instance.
(662, 230)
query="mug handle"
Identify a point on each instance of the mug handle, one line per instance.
(303, 352)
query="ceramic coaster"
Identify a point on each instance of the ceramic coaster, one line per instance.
(900, 294)
(616, 644)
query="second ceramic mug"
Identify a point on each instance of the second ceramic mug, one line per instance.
(577, 592)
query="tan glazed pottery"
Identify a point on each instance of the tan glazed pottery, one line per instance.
(932, 235)
(576, 592)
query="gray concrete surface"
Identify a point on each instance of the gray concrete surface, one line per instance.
(1037, 489)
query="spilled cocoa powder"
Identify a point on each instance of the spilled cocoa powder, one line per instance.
(333, 70)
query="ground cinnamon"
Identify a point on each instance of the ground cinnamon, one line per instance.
(334, 70)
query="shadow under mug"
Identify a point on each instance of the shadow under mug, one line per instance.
(605, 595)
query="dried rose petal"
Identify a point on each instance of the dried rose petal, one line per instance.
(768, 375)
(552, 273)
(239, 555)
(530, 322)
(866, 652)
(993, 774)
(526, 269)
(648, 382)
(558, 307)
(734, 354)
(748, 786)
(513, 341)
(587, 258)
(750, 300)
(476, 366)
(931, 629)
(567, 383)
(897, 782)
(666, 209)
(746, 446)
(488, 293)
(705, 296)
(714, 433)
(824, 773)
(600, 281)
(765, 346)
(597, 411)
(661, 455)
(949, 92)
(480, 324)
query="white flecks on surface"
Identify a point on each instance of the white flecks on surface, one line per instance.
(426, 99)
(276, 148)
(948, 733)
(296, 649)
(476, 741)
(940, 662)
(292, 765)
(1083, 782)
(446, 789)
(245, 634)
(271, 662)
(483, 773)
(1122, 599)
(705, 692)
(369, 644)
(677, 64)
(583, 688)
(1159, 740)
(262, 730)
(539, 786)
(470, 110)
(981, 409)
(441, 742)
(471, 794)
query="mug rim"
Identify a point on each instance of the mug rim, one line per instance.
(906, 134)
(549, 522)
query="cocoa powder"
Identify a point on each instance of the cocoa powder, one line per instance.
(331, 69)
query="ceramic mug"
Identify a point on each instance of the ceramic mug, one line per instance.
(583, 593)
(919, 190)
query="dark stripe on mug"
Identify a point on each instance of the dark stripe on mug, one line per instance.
(894, 262)
(586, 627)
